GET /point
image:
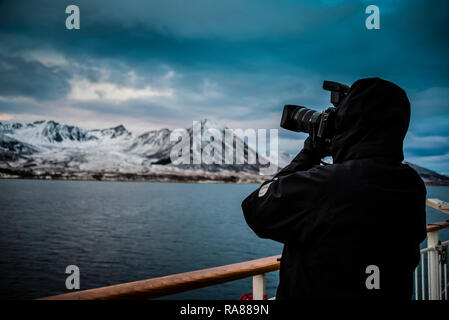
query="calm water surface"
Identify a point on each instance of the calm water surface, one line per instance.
(118, 232)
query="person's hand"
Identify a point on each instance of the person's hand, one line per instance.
(308, 157)
(323, 149)
(316, 150)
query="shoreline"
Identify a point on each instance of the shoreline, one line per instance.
(170, 177)
(237, 178)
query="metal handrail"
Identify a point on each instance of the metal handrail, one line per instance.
(181, 282)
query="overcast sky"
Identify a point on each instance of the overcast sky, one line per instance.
(164, 63)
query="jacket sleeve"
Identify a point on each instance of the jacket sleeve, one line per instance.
(285, 208)
(306, 159)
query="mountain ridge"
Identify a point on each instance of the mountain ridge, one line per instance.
(49, 150)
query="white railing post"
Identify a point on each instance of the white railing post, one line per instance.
(434, 283)
(258, 286)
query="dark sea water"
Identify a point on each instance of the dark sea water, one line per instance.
(117, 232)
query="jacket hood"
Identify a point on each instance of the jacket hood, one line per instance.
(371, 122)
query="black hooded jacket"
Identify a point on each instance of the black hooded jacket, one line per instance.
(367, 208)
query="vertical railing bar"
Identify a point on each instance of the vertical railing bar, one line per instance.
(434, 270)
(446, 284)
(445, 275)
(259, 286)
(440, 272)
(428, 275)
(416, 282)
(423, 293)
(439, 275)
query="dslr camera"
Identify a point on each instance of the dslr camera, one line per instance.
(319, 125)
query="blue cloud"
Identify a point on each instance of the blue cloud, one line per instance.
(236, 61)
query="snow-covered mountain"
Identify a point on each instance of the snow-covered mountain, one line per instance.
(53, 150)
(47, 149)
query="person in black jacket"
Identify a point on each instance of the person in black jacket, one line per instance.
(338, 221)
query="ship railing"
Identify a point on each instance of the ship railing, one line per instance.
(434, 286)
(430, 276)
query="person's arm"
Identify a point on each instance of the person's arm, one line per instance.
(304, 160)
(291, 206)
(284, 208)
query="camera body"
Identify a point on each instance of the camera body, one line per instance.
(319, 125)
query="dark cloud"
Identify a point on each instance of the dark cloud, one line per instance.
(136, 108)
(21, 78)
(234, 60)
(430, 125)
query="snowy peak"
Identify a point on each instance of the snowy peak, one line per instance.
(210, 124)
(55, 132)
(111, 133)
(41, 132)
(9, 127)
(50, 144)
(54, 149)
(151, 142)
(154, 136)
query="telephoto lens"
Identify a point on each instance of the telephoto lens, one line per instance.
(299, 118)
